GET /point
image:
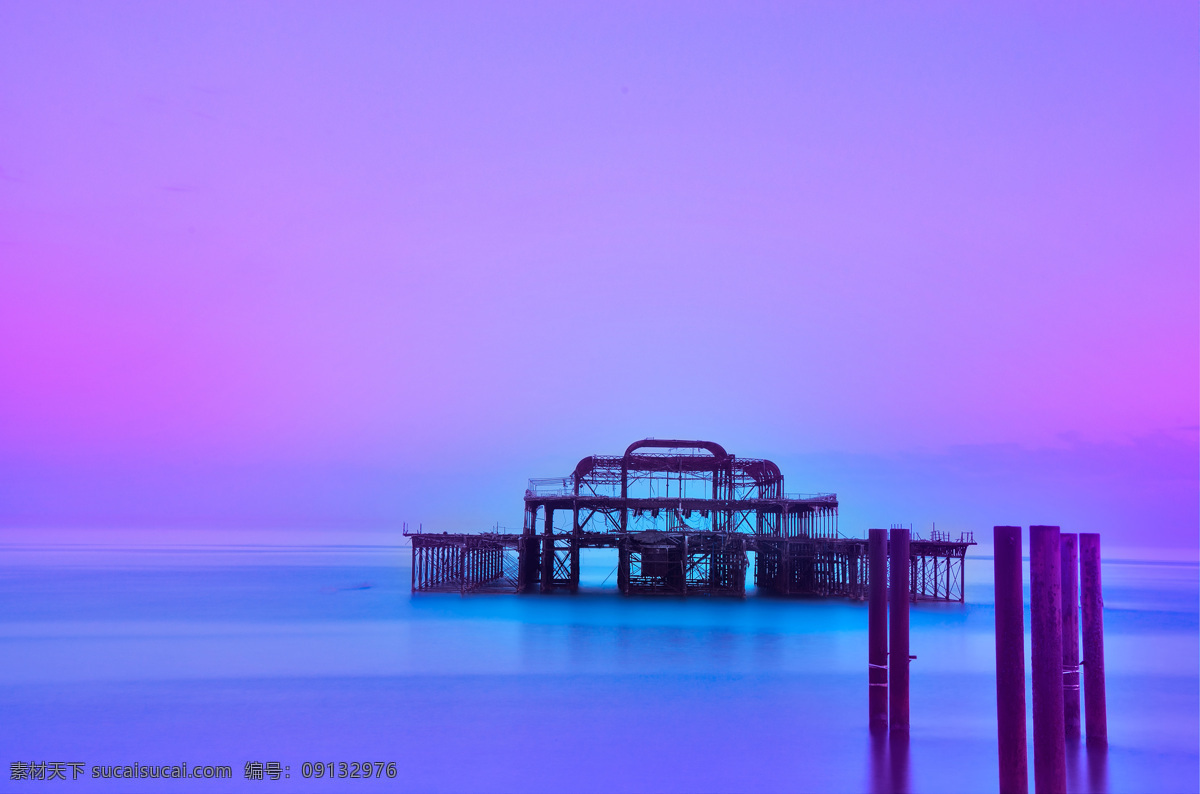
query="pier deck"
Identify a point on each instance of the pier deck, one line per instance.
(679, 563)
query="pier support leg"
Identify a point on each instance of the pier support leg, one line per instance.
(548, 552)
(877, 653)
(683, 563)
(574, 563)
(716, 562)
(740, 562)
(1095, 709)
(783, 573)
(1069, 547)
(530, 561)
(1010, 662)
(898, 609)
(1049, 745)
(623, 566)
(527, 551)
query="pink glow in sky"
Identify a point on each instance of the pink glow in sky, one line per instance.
(482, 241)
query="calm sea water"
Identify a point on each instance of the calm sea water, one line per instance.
(223, 656)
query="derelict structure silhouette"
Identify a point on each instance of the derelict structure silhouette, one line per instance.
(684, 517)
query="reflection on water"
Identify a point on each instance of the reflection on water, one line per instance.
(326, 652)
(1097, 770)
(1087, 768)
(889, 764)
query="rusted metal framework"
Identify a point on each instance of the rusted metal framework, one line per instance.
(677, 511)
(667, 485)
(463, 563)
(812, 566)
(683, 563)
(937, 567)
(683, 517)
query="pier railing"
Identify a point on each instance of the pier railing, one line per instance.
(550, 486)
(811, 497)
(937, 536)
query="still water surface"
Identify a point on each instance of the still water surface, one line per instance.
(235, 654)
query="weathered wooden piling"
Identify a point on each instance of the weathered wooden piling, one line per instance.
(1010, 662)
(898, 612)
(1069, 548)
(1095, 709)
(1049, 744)
(877, 643)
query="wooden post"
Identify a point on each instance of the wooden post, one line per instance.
(898, 609)
(1069, 546)
(1095, 709)
(877, 645)
(1010, 662)
(1049, 745)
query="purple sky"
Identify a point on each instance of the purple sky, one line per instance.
(349, 265)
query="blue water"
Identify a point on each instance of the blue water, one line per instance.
(227, 655)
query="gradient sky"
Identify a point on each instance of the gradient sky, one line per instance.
(353, 264)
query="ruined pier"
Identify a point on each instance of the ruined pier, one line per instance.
(684, 517)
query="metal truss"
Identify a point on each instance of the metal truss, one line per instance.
(462, 563)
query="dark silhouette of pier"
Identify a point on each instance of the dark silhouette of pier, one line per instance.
(683, 517)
